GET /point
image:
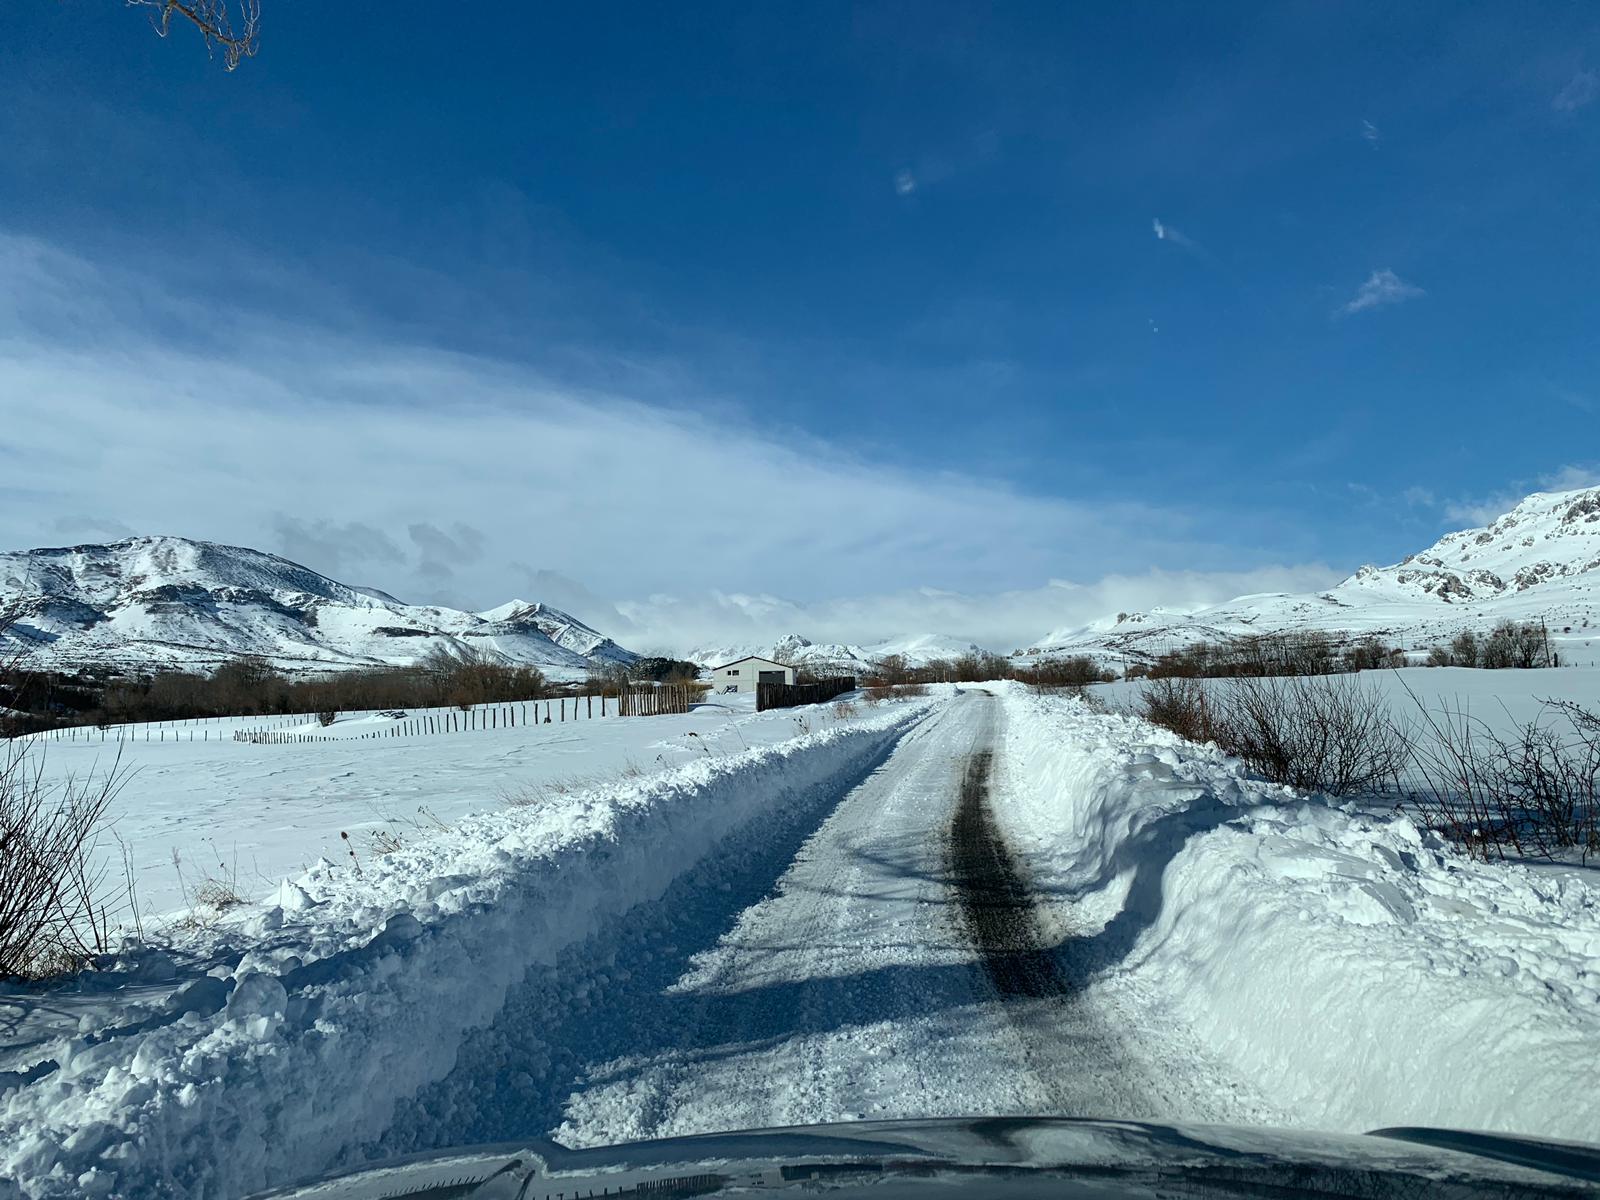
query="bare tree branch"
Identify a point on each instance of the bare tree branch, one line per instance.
(212, 19)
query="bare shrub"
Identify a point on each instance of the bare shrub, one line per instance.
(521, 797)
(56, 909)
(913, 690)
(888, 671)
(1534, 791)
(1178, 703)
(217, 895)
(843, 709)
(1316, 733)
(1059, 674)
(1093, 701)
(1508, 644)
(327, 718)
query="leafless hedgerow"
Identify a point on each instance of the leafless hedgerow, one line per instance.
(1322, 733)
(215, 22)
(1064, 674)
(57, 908)
(1534, 791)
(1325, 733)
(1179, 703)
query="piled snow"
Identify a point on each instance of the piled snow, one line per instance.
(1538, 562)
(1357, 971)
(149, 603)
(290, 1035)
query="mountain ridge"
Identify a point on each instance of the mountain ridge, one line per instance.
(172, 603)
(1540, 560)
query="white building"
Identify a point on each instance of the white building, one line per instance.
(743, 674)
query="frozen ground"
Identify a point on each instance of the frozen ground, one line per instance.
(970, 904)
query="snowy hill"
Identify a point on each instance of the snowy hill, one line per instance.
(1540, 561)
(850, 658)
(171, 603)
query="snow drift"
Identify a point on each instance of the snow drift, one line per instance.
(1350, 965)
(287, 1041)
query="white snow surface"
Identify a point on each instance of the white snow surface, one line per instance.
(1540, 561)
(149, 603)
(280, 1043)
(1349, 965)
(771, 935)
(249, 815)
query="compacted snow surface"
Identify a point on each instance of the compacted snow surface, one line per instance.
(814, 931)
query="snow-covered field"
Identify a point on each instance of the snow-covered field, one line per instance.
(1500, 699)
(782, 933)
(281, 1040)
(250, 815)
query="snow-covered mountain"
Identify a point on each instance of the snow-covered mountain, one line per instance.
(1540, 561)
(850, 658)
(149, 603)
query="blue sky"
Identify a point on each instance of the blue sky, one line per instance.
(1054, 306)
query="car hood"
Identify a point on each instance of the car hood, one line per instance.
(1022, 1157)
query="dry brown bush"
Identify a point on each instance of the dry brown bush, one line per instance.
(1318, 733)
(56, 907)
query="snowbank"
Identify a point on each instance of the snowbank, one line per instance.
(1353, 968)
(293, 1035)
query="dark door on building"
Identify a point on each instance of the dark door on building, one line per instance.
(770, 677)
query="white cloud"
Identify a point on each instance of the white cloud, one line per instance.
(448, 478)
(1166, 233)
(1381, 288)
(1580, 90)
(1483, 510)
(1371, 133)
(1570, 478)
(1002, 621)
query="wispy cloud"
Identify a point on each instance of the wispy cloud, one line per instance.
(1372, 134)
(1382, 287)
(1166, 233)
(1482, 510)
(1582, 89)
